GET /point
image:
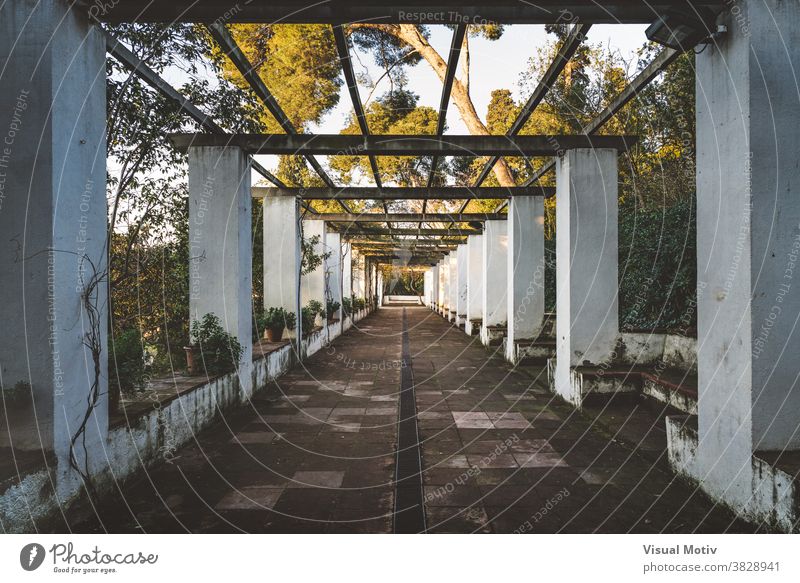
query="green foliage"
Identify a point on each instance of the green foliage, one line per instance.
(127, 368)
(298, 63)
(347, 306)
(221, 351)
(277, 319)
(308, 317)
(359, 304)
(311, 260)
(19, 394)
(146, 186)
(394, 113)
(657, 267)
(332, 307)
(316, 308)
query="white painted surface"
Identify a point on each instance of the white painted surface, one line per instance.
(220, 244)
(452, 285)
(313, 284)
(52, 221)
(525, 270)
(748, 220)
(586, 269)
(495, 272)
(282, 254)
(474, 277)
(461, 296)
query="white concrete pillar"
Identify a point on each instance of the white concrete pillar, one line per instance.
(221, 245)
(53, 229)
(474, 283)
(442, 291)
(359, 279)
(333, 271)
(495, 273)
(427, 281)
(461, 296)
(748, 242)
(347, 270)
(445, 271)
(313, 283)
(282, 255)
(525, 271)
(434, 286)
(379, 277)
(452, 286)
(586, 270)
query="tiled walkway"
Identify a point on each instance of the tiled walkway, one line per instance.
(317, 452)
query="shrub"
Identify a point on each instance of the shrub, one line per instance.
(127, 366)
(307, 319)
(316, 308)
(220, 351)
(658, 267)
(332, 307)
(276, 318)
(359, 304)
(347, 306)
(20, 394)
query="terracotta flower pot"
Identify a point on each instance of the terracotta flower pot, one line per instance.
(194, 363)
(274, 334)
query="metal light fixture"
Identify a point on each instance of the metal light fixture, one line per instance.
(679, 30)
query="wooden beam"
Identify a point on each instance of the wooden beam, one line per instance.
(571, 44)
(422, 231)
(136, 66)
(391, 12)
(407, 217)
(402, 145)
(227, 43)
(449, 76)
(402, 193)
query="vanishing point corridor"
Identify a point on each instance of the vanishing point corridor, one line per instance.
(318, 451)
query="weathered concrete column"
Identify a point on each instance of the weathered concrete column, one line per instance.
(359, 270)
(525, 272)
(748, 243)
(333, 273)
(434, 286)
(221, 245)
(53, 295)
(282, 255)
(347, 270)
(461, 295)
(586, 270)
(313, 283)
(452, 286)
(474, 284)
(379, 277)
(495, 288)
(444, 278)
(426, 286)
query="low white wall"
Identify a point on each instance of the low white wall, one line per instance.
(775, 498)
(151, 437)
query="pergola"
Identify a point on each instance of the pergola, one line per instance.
(482, 270)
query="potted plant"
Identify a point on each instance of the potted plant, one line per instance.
(307, 317)
(332, 309)
(347, 306)
(316, 307)
(275, 320)
(211, 348)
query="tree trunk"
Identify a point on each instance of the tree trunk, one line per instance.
(410, 34)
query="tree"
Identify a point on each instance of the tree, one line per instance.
(408, 44)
